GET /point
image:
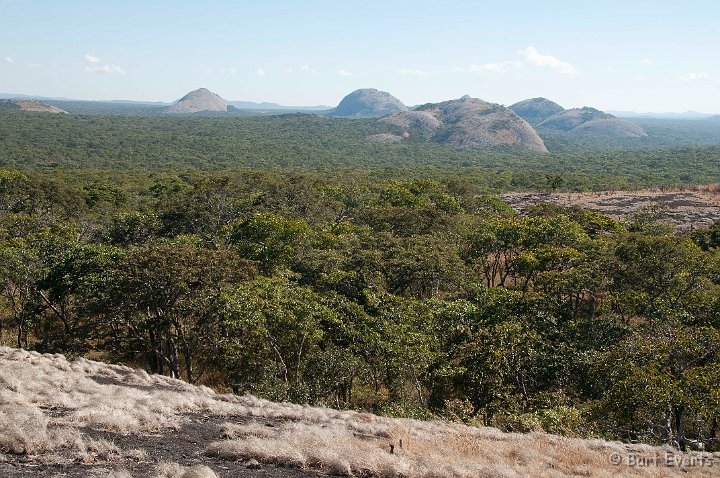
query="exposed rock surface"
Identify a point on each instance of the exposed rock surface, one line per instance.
(196, 101)
(593, 121)
(469, 123)
(685, 209)
(424, 122)
(368, 103)
(536, 110)
(30, 105)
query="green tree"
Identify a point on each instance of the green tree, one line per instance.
(268, 238)
(662, 384)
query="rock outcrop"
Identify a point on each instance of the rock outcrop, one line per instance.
(196, 101)
(536, 110)
(30, 105)
(367, 103)
(468, 123)
(592, 121)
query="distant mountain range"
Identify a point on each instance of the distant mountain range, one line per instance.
(268, 106)
(265, 106)
(464, 123)
(241, 105)
(668, 115)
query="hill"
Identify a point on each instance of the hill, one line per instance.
(30, 105)
(593, 122)
(536, 110)
(84, 418)
(468, 123)
(196, 101)
(669, 115)
(367, 103)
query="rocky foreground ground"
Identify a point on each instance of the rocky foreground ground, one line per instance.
(61, 418)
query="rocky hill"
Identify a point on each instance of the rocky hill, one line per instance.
(594, 122)
(196, 101)
(536, 110)
(30, 105)
(367, 103)
(468, 123)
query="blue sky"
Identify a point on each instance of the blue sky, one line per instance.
(629, 55)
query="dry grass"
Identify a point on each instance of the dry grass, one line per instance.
(35, 388)
(359, 445)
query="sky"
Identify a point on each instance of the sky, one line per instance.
(615, 55)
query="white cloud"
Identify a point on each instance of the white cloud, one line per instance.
(232, 71)
(307, 67)
(9, 60)
(344, 73)
(646, 61)
(693, 77)
(420, 73)
(531, 56)
(500, 67)
(91, 59)
(34, 66)
(260, 72)
(105, 69)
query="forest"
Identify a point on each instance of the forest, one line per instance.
(365, 277)
(676, 152)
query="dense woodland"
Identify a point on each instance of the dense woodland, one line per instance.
(228, 252)
(676, 152)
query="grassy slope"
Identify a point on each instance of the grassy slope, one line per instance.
(51, 408)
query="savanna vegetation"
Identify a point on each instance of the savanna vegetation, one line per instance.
(368, 287)
(337, 148)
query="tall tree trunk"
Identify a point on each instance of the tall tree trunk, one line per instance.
(173, 356)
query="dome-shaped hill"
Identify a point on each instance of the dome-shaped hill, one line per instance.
(368, 103)
(536, 110)
(30, 105)
(196, 101)
(593, 121)
(469, 123)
